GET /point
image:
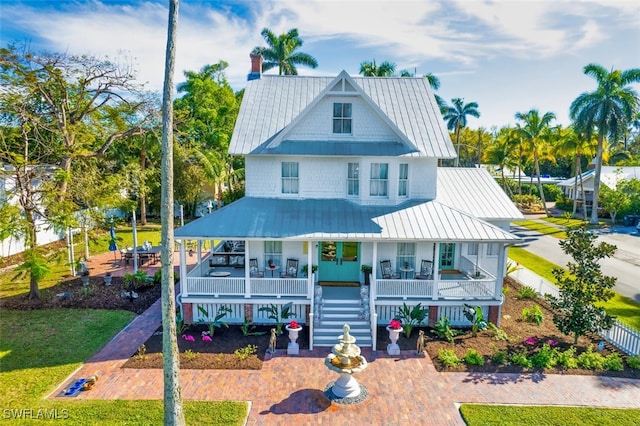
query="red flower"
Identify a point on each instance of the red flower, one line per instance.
(395, 324)
(294, 324)
(531, 341)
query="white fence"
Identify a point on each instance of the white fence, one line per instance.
(620, 335)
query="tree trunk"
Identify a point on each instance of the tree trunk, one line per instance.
(34, 288)
(596, 180)
(575, 188)
(457, 163)
(143, 196)
(544, 202)
(173, 410)
(584, 197)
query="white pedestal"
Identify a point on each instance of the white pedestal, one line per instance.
(346, 386)
(293, 348)
(393, 349)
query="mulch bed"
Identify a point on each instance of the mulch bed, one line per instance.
(217, 354)
(517, 331)
(70, 293)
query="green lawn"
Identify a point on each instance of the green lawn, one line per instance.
(40, 349)
(552, 231)
(510, 415)
(626, 310)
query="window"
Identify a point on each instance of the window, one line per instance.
(493, 249)
(472, 249)
(402, 180)
(289, 178)
(341, 118)
(378, 182)
(406, 253)
(273, 252)
(353, 179)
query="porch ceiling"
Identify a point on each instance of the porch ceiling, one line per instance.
(338, 219)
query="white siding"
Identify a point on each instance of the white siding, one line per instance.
(367, 125)
(326, 177)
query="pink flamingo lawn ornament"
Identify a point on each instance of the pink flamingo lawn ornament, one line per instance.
(206, 338)
(188, 338)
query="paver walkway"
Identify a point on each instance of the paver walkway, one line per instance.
(289, 389)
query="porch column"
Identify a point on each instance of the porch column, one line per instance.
(247, 271)
(310, 269)
(436, 270)
(373, 285)
(199, 251)
(502, 261)
(183, 269)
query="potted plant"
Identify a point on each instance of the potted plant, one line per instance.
(394, 328)
(107, 278)
(305, 269)
(366, 270)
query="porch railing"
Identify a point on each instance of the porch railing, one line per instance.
(235, 286)
(442, 289)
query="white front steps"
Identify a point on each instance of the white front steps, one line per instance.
(335, 313)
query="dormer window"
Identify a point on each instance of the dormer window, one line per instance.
(289, 178)
(341, 118)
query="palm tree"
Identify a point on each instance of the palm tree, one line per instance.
(608, 109)
(456, 118)
(577, 145)
(281, 52)
(371, 69)
(501, 153)
(173, 411)
(536, 131)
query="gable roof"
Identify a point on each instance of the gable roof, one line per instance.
(609, 176)
(317, 219)
(475, 191)
(273, 103)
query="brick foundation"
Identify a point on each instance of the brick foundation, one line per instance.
(433, 315)
(494, 315)
(187, 310)
(248, 312)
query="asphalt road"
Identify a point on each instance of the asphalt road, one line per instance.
(624, 265)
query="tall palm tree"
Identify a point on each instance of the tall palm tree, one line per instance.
(371, 69)
(577, 145)
(281, 52)
(173, 411)
(501, 152)
(607, 109)
(456, 118)
(536, 130)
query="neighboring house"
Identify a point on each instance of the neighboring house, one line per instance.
(343, 172)
(45, 233)
(610, 176)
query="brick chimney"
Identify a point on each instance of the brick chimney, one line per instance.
(256, 67)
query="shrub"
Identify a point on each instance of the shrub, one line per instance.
(591, 360)
(613, 362)
(448, 358)
(248, 329)
(246, 352)
(634, 361)
(411, 317)
(472, 357)
(525, 292)
(499, 357)
(521, 359)
(533, 315)
(567, 359)
(528, 201)
(444, 330)
(140, 353)
(191, 355)
(498, 333)
(545, 357)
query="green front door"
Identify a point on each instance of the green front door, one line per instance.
(339, 261)
(447, 256)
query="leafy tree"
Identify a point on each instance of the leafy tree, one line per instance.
(456, 118)
(371, 69)
(614, 201)
(583, 287)
(535, 130)
(173, 409)
(608, 109)
(631, 188)
(501, 152)
(281, 52)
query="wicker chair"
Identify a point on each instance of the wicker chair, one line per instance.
(254, 271)
(291, 269)
(426, 270)
(387, 271)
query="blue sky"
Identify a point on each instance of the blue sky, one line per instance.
(508, 56)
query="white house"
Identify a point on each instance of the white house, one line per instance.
(610, 176)
(343, 172)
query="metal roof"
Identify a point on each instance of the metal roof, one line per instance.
(272, 103)
(318, 219)
(476, 192)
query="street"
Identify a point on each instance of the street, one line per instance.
(624, 265)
